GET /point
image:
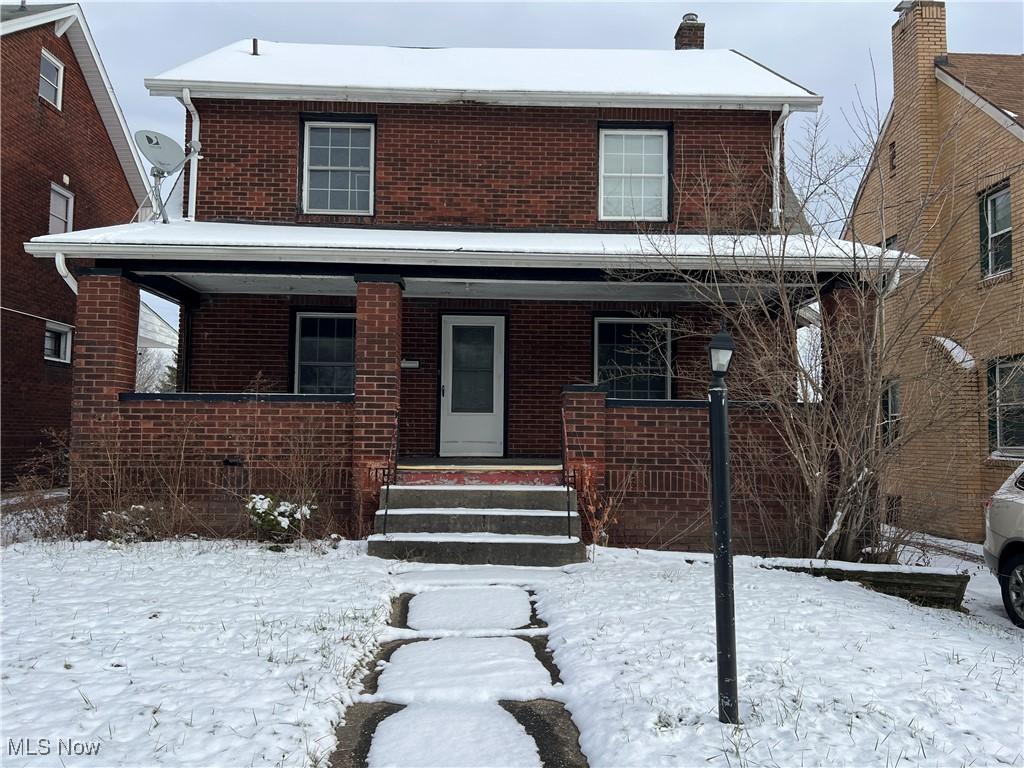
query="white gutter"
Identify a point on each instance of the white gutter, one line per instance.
(63, 271)
(777, 167)
(303, 92)
(193, 168)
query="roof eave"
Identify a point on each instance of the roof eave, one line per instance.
(299, 92)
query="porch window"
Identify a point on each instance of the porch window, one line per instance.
(634, 175)
(996, 230)
(1006, 404)
(338, 175)
(631, 357)
(325, 354)
(57, 342)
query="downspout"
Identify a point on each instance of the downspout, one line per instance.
(777, 167)
(63, 271)
(193, 169)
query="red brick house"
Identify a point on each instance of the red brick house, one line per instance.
(68, 164)
(433, 235)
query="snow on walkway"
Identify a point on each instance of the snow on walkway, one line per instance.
(481, 608)
(477, 735)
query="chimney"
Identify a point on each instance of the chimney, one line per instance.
(690, 33)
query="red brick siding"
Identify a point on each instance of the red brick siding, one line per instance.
(478, 166)
(35, 151)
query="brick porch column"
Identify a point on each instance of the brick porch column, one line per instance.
(103, 360)
(378, 374)
(584, 409)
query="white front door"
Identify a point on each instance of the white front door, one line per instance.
(472, 385)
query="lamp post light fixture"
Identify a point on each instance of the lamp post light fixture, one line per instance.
(720, 351)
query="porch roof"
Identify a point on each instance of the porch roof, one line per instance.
(189, 240)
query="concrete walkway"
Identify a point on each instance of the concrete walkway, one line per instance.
(463, 678)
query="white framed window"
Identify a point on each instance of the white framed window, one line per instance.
(338, 168)
(996, 232)
(633, 174)
(62, 210)
(1006, 416)
(51, 79)
(892, 412)
(325, 353)
(57, 342)
(632, 357)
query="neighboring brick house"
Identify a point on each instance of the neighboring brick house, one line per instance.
(377, 231)
(68, 164)
(947, 183)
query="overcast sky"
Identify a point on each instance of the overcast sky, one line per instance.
(832, 48)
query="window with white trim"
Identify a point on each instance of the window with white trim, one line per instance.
(51, 79)
(892, 411)
(62, 210)
(632, 357)
(338, 168)
(1006, 404)
(996, 231)
(633, 178)
(57, 342)
(325, 353)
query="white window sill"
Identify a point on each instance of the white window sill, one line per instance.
(1015, 457)
(661, 219)
(49, 359)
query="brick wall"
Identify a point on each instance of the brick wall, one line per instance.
(35, 151)
(657, 460)
(947, 153)
(479, 167)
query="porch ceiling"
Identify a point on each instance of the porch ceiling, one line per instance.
(426, 287)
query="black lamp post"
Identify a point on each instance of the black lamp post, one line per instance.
(720, 350)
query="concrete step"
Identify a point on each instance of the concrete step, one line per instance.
(550, 497)
(480, 475)
(537, 522)
(478, 548)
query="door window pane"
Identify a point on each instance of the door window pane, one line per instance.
(472, 369)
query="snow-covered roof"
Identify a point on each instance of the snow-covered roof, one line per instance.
(567, 77)
(959, 355)
(70, 20)
(190, 240)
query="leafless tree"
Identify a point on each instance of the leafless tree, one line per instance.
(151, 370)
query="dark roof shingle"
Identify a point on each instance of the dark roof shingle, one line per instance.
(998, 78)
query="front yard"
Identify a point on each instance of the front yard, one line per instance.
(225, 654)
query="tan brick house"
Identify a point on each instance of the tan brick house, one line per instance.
(946, 182)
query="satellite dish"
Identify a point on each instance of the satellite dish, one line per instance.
(162, 151)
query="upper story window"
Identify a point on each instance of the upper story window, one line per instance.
(631, 357)
(1006, 404)
(325, 353)
(51, 78)
(891, 412)
(892, 156)
(62, 210)
(338, 175)
(633, 174)
(996, 230)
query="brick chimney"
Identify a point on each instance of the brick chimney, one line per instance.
(690, 33)
(918, 38)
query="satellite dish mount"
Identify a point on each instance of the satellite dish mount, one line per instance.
(166, 157)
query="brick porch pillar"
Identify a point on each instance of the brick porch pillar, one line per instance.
(103, 366)
(378, 374)
(585, 413)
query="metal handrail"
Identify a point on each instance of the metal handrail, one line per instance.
(390, 472)
(565, 476)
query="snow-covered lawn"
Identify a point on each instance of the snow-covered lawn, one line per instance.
(184, 653)
(224, 654)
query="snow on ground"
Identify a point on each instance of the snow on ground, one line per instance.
(829, 673)
(983, 598)
(479, 608)
(225, 654)
(480, 735)
(185, 653)
(463, 669)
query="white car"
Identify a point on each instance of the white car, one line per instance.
(1004, 543)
